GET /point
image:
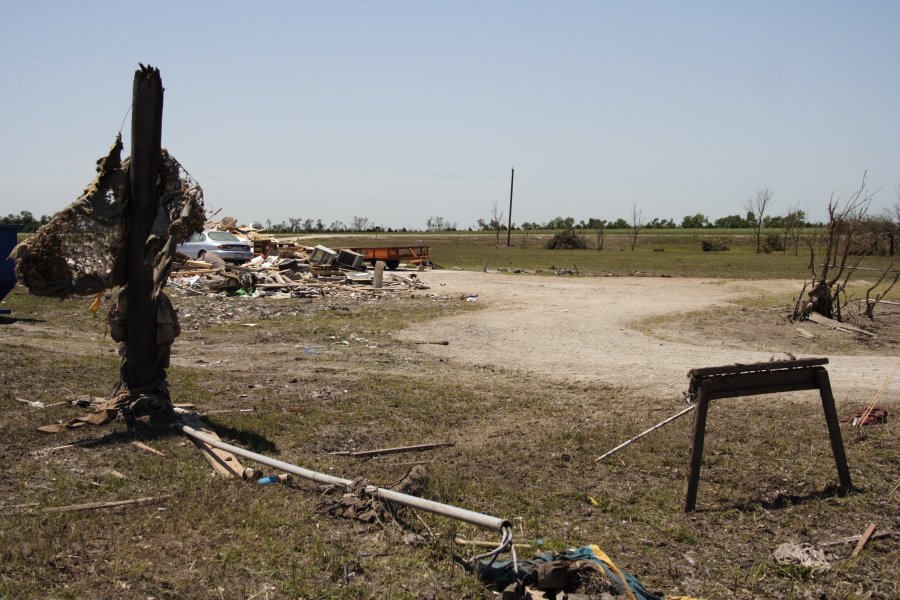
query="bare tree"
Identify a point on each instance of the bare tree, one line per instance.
(359, 224)
(870, 302)
(757, 205)
(792, 223)
(897, 207)
(601, 232)
(437, 224)
(829, 280)
(496, 220)
(636, 225)
(526, 227)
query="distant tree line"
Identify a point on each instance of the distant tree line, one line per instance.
(26, 220)
(697, 221)
(356, 225)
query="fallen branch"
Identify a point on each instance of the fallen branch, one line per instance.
(397, 450)
(96, 505)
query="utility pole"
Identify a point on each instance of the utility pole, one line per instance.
(512, 179)
(141, 368)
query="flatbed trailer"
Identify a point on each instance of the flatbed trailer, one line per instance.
(394, 255)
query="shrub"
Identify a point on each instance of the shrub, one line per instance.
(567, 240)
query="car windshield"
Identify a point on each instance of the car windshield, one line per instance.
(222, 236)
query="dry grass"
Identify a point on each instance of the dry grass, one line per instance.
(525, 449)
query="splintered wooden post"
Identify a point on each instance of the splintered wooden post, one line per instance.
(378, 276)
(146, 139)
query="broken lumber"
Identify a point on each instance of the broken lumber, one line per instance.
(823, 320)
(147, 448)
(863, 539)
(96, 505)
(223, 462)
(397, 450)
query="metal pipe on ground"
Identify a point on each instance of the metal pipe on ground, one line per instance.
(445, 510)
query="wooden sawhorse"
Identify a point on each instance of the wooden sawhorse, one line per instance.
(761, 378)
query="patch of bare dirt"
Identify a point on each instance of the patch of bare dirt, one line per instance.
(587, 330)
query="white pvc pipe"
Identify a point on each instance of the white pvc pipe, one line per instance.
(453, 512)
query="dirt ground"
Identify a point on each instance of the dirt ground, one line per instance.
(642, 333)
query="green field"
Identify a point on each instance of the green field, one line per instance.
(675, 252)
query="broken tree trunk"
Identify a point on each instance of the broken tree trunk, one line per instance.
(141, 370)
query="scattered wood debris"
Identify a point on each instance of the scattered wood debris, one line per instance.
(837, 325)
(224, 463)
(292, 271)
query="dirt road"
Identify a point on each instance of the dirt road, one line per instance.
(583, 329)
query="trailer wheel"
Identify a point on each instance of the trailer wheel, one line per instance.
(392, 264)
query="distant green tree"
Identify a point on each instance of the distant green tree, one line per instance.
(657, 223)
(697, 221)
(731, 222)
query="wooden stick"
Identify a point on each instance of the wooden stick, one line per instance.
(81, 444)
(856, 538)
(864, 538)
(395, 450)
(96, 505)
(147, 448)
(643, 433)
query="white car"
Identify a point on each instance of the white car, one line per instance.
(225, 245)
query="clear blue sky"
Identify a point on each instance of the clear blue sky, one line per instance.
(397, 111)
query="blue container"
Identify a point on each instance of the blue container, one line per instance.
(8, 241)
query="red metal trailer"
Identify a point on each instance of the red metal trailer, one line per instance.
(394, 255)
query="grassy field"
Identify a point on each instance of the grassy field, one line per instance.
(672, 252)
(524, 450)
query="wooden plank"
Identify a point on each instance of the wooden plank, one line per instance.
(864, 538)
(147, 448)
(224, 463)
(757, 367)
(753, 384)
(823, 320)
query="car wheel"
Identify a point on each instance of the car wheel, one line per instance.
(201, 254)
(392, 264)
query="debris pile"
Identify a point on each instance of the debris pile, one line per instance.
(297, 272)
